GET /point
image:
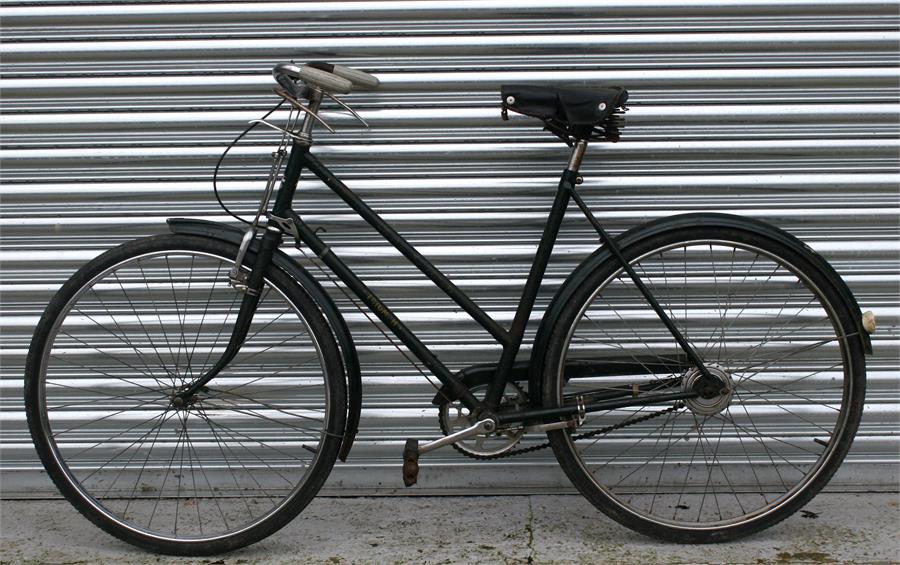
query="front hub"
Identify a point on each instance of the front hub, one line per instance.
(181, 402)
(711, 405)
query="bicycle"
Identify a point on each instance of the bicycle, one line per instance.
(699, 377)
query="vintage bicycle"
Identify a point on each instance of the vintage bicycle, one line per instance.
(698, 378)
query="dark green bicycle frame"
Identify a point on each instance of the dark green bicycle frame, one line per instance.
(510, 340)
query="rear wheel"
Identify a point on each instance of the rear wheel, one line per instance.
(220, 471)
(767, 324)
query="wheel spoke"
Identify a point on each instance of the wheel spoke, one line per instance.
(763, 329)
(200, 468)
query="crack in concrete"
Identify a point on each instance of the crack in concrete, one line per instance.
(529, 528)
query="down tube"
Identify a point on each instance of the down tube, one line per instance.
(397, 327)
(408, 251)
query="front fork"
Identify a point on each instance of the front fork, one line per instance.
(251, 285)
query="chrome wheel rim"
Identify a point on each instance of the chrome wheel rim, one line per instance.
(245, 463)
(615, 466)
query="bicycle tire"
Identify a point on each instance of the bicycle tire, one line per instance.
(633, 334)
(262, 446)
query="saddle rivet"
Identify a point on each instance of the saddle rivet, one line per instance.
(579, 179)
(510, 100)
(602, 106)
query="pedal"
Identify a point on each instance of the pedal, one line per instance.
(411, 462)
(412, 450)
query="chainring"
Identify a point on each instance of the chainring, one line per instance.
(453, 416)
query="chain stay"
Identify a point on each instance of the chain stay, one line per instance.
(607, 429)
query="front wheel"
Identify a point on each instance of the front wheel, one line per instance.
(216, 472)
(767, 324)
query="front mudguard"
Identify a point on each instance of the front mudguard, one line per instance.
(652, 229)
(314, 290)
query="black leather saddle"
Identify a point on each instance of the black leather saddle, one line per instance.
(575, 111)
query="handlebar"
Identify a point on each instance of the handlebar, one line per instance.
(360, 79)
(329, 77)
(312, 76)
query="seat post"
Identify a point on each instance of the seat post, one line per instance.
(577, 155)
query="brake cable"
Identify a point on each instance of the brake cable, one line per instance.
(222, 158)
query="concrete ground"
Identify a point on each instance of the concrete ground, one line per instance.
(834, 528)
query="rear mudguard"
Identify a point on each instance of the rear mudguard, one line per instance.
(311, 286)
(652, 229)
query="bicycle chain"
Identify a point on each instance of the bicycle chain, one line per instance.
(607, 429)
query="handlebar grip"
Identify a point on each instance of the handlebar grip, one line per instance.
(359, 78)
(327, 81)
(311, 75)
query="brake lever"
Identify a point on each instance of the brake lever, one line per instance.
(299, 105)
(273, 126)
(349, 109)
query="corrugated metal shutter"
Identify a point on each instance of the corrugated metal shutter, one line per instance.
(115, 113)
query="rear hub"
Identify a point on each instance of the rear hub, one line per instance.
(713, 404)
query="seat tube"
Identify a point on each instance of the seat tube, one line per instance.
(539, 266)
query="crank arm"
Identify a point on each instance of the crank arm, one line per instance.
(485, 426)
(412, 451)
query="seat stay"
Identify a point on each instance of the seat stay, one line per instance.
(707, 385)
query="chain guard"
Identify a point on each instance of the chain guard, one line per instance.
(586, 435)
(475, 382)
